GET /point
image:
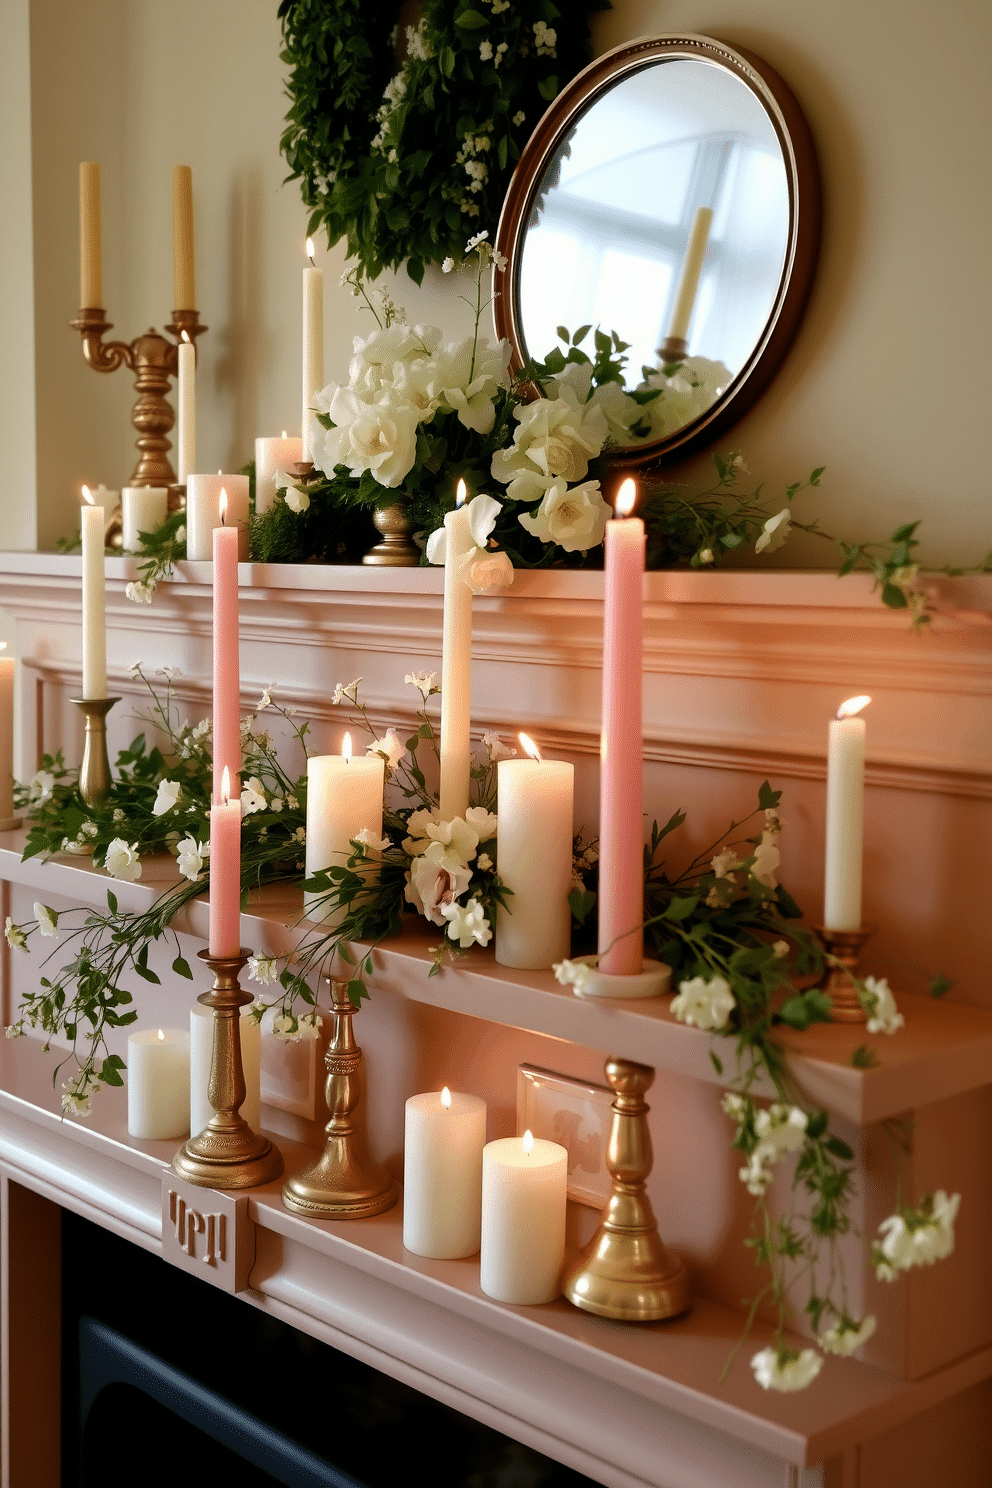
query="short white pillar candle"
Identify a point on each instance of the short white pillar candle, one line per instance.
(344, 797)
(523, 1219)
(442, 1174)
(143, 508)
(534, 807)
(271, 456)
(203, 494)
(201, 1043)
(158, 1083)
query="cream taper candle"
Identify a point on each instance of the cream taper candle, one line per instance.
(845, 810)
(91, 519)
(8, 667)
(534, 809)
(143, 508)
(692, 267)
(523, 1219)
(185, 409)
(158, 1083)
(183, 279)
(445, 1133)
(271, 456)
(456, 665)
(201, 1044)
(344, 797)
(203, 493)
(313, 341)
(90, 237)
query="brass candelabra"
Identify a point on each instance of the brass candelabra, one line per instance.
(154, 361)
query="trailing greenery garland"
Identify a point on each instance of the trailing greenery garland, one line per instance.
(404, 159)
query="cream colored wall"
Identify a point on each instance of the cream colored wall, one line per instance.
(886, 382)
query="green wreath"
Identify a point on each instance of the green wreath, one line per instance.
(407, 160)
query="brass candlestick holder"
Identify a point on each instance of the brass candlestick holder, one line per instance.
(94, 772)
(392, 518)
(153, 360)
(345, 1182)
(673, 349)
(227, 1153)
(843, 947)
(626, 1271)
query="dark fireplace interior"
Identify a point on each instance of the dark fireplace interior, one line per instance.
(168, 1380)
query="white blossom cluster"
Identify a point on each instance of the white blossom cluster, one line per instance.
(440, 872)
(916, 1237)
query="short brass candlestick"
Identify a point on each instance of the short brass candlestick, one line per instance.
(391, 517)
(625, 1271)
(345, 1182)
(673, 349)
(94, 772)
(843, 947)
(153, 360)
(227, 1153)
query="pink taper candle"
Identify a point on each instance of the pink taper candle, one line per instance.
(227, 665)
(225, 873)
(621, 826)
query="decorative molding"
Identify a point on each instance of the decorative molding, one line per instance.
(207, 1233)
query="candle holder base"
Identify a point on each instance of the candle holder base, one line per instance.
(626, 1271)
(397, 550)
(227, 1153)
(843, 948)
(345, 1182)
(653, 981)
(673, 349)
(94, 773)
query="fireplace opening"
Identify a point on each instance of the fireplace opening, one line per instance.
(167, 1379)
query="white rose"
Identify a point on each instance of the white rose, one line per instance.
(42, 786)
(253, 797)
(483, 823)
(139, 593)
(704, 1003)
(788, 1371)
(434, 881)
(555, 438)
(482, 570)
(775, 532)
(379, 436)
(374, 363)
(121, 860)
(169, 792)
(468, 389)
(575, 519)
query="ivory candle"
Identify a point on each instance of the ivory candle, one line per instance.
(225, 875)
(143, 508)
(442, 1174)
(313, 341)
(203, 493)
(534, 808)
(201, 1044)
(227, 665)
(621, 825)
(845, 810)
(456, 665)
(692, 267)
(158, 1083)
(272, 455)
(523, 1219)
(344, 797)
(186, 409)
(91, 520)
(90, 237)
(8, 668)
(183, 279)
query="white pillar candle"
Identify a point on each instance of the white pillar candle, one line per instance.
(692, 267)
(91, 520)
(534, 808)
(186, 410)
(143, 508)
(203, 493)
(201, 1044)
(845, 811)
(456, 665)
(272, 455)
(523, 1219)
(442, 1174)
(8, 667)
(344, 797)
(313, 342)
(158, 1083)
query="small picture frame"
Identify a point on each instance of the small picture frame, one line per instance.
(577, 1115)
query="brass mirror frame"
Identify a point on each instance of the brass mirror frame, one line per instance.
(803, 179)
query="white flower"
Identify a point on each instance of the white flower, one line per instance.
(482, 514)
(482, 570)
(704, 1003)
(486, 51)
(418, 840)
(367, 838)
(575, 518)
(426, 683)
(121, 860)
(555, 438)
(466, 378)
(42, 786)
(496, 749)
(458, 837)
(573, 974)
(389, 748)
(263, 969)
(467, 923)
(781, 949)
(447, 266)
(706, 555)
(75, 846)
(380, 436)
(724, 863)
(780, 1130)
(309, 1026)
(786, 1371)
(484, 862)
(190, 856)
(735, 1106)
(16, 938)
(291, 1030)
(350, 692)
(484, 823)
(169, 792)
(298, 501)
(693, 387)
(48, 920)
(766, 860)
(773, 822)
(895, 1253)
(436, 878)
(934, 1240)
(846, 1335)
(15, 1030)
(265, 701)
(480, 237)
(884, 1016)
(775, 532)
(253, 796)
(519, 116)
(74, 1101)
(139, 593)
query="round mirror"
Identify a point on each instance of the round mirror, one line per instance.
(669, 198)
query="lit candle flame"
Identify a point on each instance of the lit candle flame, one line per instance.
(225, 786)
(530, 746)
(161, 1036)
(284, 433)
(852, 706)
(460, 494)
(3, 645)
(185, 336)
(346, 748)
(88, 496)
(528, 1143)
(310, 253)
(446, 1098)
(626, 496)
(223, 506)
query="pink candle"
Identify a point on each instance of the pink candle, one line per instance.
(621, 826)
(227, 666)
(225, 874)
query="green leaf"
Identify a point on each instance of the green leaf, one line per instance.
(940, 984)
(562, 334)
(548, 88)
(147, 974)
(681, 907)
(893, 596)
(768, 799)
(864, 1058)
(581, 334)
(470, 20)
(816, 1124)
(716, 1063)
(502, 152)
(109, 1070)
(446, 61)
(814, 479)
(839, 1149)
(356, 991)
(111, 902)
(904, 533)
(809, 1007)
(345, 952)
(580, 902)
(182, 968)
(415, 269)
